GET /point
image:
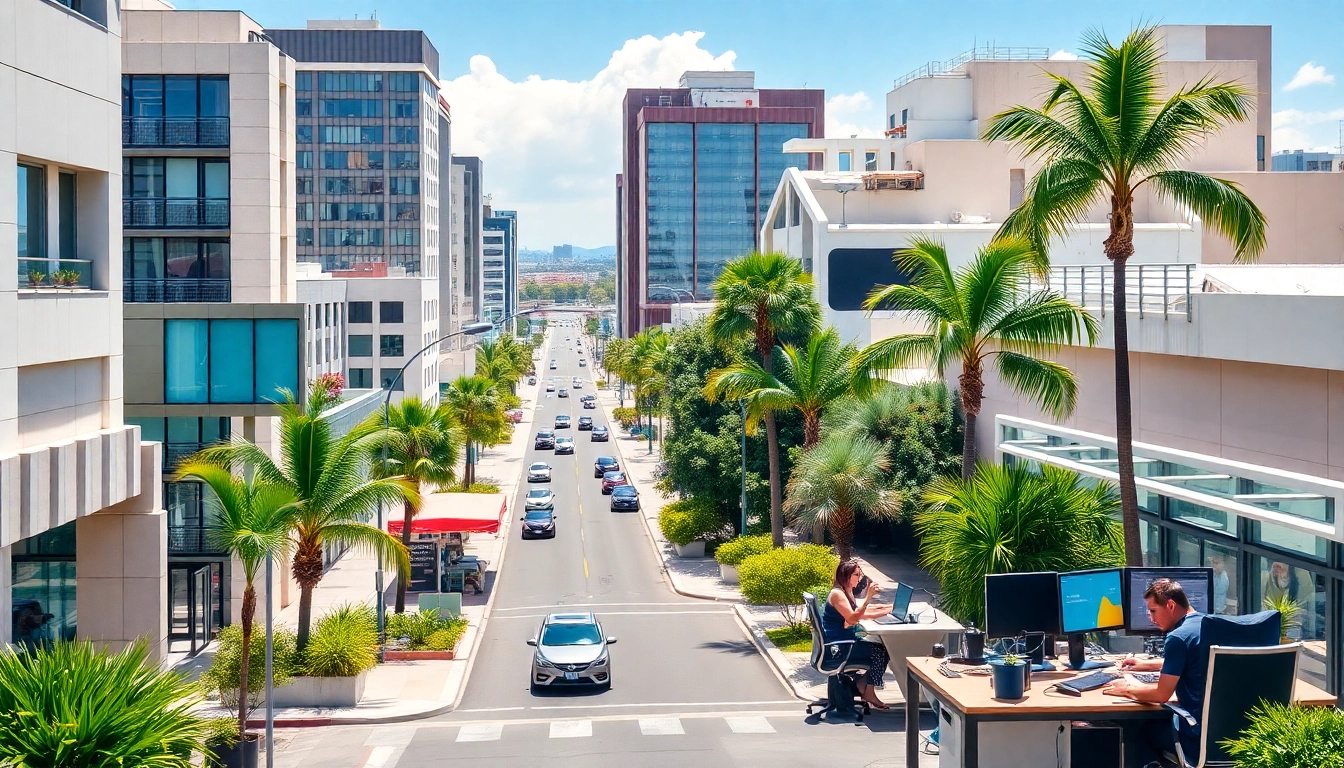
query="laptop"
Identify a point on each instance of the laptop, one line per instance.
(900, 605)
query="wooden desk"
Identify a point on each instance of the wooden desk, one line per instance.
(916, 639)
(971, 697)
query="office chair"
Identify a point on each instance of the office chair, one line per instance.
(842, 676)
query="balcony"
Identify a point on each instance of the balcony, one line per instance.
(175, 290)
(176, 453)
(175, 131)
(175, 213)
(191, 540)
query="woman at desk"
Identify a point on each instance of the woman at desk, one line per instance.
(839, 619)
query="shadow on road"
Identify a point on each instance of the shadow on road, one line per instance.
(739, 647)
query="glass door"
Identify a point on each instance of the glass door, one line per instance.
(193, 610)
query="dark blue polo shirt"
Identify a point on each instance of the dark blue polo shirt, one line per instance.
(1187, 657)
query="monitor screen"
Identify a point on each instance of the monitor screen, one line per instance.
(1017, 603)
(1197, 583)
(900, 603)
(1091, 601)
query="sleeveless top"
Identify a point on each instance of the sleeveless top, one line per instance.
(833, 624)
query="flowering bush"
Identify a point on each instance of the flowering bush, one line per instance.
(325, 391)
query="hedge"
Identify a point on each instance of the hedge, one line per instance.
(781, 576)
(687, 520)
(739, 549)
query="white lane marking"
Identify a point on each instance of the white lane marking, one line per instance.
(750, 724)
(481, 732)
(382, 757)
(391, 736)
(494, 709)
(590, 605)
(670, 704)
(571, 729)
(617, 613)
(661, 726)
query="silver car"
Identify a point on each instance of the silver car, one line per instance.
(539, 498)
(539, 472)
(571, 650)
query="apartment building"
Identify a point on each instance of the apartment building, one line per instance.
(499, 264)
(466, 252)
(1301, 160)
(700, 163)
(83, 534)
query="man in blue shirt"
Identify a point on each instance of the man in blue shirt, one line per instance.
(1184, 667)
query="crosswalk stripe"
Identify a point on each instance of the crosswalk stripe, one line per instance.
(571, 729)
(391, 736)
(481, 732)
(381, 757)
(755, 724)
(661, 726)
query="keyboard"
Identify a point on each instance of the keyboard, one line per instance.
(1087, 682)
(890, 619)
(1146, 677)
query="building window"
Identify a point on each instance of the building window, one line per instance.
(391, 346)
(405, 237)
(1259, 153)
(405, 134)
(390, 312)
(303, 185)
(352, 237)
(303, 107)
(1017, 186)
(406, 161)
(359, 345)
(303, 159)
(361, 312)
(352, 160)
(230, 360)
(351, 134)
(303, 134)
(845, 160)
(403, 82)
(303, 81)
(905, 116)
(360, 378)
(32, 192)
(175, 269)
(43, 591)
(367, 82)
(352, 211)
(870, 161)
(352, 107)
(404, 107)
(303, 212)
(406, 211)
(387, 375)
(304, 235)
(405, 185)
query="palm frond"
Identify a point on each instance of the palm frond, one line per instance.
(893, 353)
(1125, 81)
(1042, 321)
(989, 285)
(1221, 204)
(1187, 117)
(1044, 382)
(1057, 197)
(366, 538)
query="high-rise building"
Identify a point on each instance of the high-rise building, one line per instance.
(499, 255)
(700, 165)
(562, 252)
(465, 244)
(82, 528)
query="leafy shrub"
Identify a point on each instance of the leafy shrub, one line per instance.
(687, 520)
(476, 487)
(415, 627)
(222, 676)
(221, 732)
(781, 576)
(446, 639)
(735, 551)
(344, 642)
(508, 401)
(1290, 737)
(628, 417)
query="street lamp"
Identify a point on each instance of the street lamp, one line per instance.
(744, 467)
(844, 189)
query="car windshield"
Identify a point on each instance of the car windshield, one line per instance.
(571, 634)
(562, 418)
(614, 476)
(539, 514)
(599, 429)
(538, 493)
(624, 490)
(539, 465)
(565, 440)
(606, 461)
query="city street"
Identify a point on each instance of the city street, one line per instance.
(688, 685)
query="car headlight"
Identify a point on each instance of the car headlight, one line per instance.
(601, 661)
(542, 662)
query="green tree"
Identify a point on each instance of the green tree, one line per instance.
(1010, 519)
(1100, 142)
(598, 296)
(422, 445)
(765, 296)
(976, 314)
(808, 380)
(329, 480)
(837, 480)
(474, 402)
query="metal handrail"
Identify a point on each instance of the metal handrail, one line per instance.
(174, 131)
(1149, 288)
(173, 212)
(985, 53)
(173, 290)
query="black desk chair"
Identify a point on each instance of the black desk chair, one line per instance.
(842, 675)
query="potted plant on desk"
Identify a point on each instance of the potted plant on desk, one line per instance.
(1010, 676)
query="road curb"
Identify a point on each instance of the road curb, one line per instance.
(778, 663)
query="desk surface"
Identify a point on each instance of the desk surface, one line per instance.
(931, 620)
(972, 695)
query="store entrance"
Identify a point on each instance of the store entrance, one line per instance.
(194, 606)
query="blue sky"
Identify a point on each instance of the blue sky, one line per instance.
(535, 85)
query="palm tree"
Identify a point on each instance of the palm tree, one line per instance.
(644, 365)
(503, 361)
(422, 445)
(251, 520)
(616, 359)
(1010, 519)
(974, 314)
(328, 477)
(838, 479)
(1100, 142)
(474, 404)
(809, 380)
(765, 296)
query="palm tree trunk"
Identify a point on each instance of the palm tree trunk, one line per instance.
(409, 512)
(307, 566)
(469, 476)
(765, 346)
(972, 396)
(249, 610)
(842, 532)
(1124, 422)
(811, 429)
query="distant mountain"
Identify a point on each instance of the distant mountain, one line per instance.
(605, 252)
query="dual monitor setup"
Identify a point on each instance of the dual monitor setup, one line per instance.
(1036, 606)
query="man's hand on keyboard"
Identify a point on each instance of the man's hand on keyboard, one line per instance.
(1120, 687)
(1132, 664)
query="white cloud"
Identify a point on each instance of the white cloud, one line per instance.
(1306, 130)
(1309, 74)
(1063, 55)
(851, 114)
(552, 148)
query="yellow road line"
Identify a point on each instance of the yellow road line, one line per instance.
(585, 567)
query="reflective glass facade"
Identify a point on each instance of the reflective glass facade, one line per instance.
(772, 161)
(230, 360)
(725, 198)
(671, 197)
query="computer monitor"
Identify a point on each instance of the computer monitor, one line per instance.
(1017, 603)
(1091, 601)
(1197, 583)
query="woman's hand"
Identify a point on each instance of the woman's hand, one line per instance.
(873, 590)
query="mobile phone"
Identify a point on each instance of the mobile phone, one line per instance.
(862, 586)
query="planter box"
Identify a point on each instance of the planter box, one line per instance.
(694, 549)
(322, 691)
(391, 655)
(244, 754)
(728, 573)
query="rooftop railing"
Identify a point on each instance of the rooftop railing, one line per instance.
(1150, 289)
(984, 53)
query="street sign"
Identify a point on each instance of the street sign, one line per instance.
(424, 566)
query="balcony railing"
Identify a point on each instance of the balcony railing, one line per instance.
(1150, 289)
(174, 212)
(191, 539)
(175, 131)
(175, 290)
(176, 453)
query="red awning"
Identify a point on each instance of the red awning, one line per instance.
(456, 512)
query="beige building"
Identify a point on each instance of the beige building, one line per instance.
(82, 526)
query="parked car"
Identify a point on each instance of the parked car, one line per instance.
(611, 480)
(539, 498)
(605, 464)
(563, 392)
(562, 421)
(571, 650)
(531, 380)
(539, 523)
(539, 472)
(515, 415)
(585, 422)
(624, 497)
(600, 434)
(564, 445)
(545, 439)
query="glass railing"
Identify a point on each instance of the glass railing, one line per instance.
(174, 212)
(175, 131)
(174, 290)
(55, 274)
(191, 539)
(176, 453)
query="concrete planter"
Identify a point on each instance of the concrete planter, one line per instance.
(694, 549)
(322, 691)
(728, 573)
(390, 655)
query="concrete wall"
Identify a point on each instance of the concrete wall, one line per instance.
(1305, 215)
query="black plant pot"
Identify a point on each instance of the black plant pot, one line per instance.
(246, 753)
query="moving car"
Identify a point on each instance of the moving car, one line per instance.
(624, 497)
(550, 387)
(605, 464)
(552, 365)
(583, 363)
(539, 498)
(571, 650)
(600, 434)
(563, 392)
(545, 439)
(539, 522)
(585, 422)
(562, 421)
(531, 380)
(590, 405)
(611, 480)
(564, 445)
(578, 384)
(539, 472)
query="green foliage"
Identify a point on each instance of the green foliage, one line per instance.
(1290, 612)
(795, 638)
(687, 520)
(426, 630)
(220, 732)
(837, 481)
(36, 276)
(68, 705)
(1009, 519)
(476, 487)
(66, 278)
(627, 417)
(225, 672)
(446, 639)
(781, 576)
(735, 551)
(344, 642)
(1290, 737)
